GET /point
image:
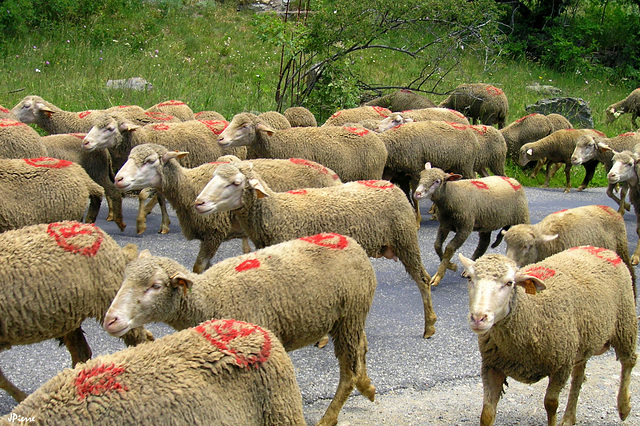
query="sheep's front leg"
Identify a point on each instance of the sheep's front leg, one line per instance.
(635, 259)
(461, 236)
(492, 383)
(567, 175)
(208, 249)
(11, 389)
(590, 170)
(611, 193)
(577, 377)
(556, 383)
(483, 244)
(77, 346)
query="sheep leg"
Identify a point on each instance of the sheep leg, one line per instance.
(590, 170)
(621, 203)
(77, 346)
(145, 205)
(539, 165)
(207, 249)
(363, 384)
(455, 243)
(11, 389)
(166, 221)
(624, 398)
(577, 377)
(567, 175)
(556, 383)
(483, 244)
(114, 201)
(492, 384)
(94, 208)
(635, 258)
(137, 335)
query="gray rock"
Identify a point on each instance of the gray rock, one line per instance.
(543, 89)
(132, 83)
(576, 110)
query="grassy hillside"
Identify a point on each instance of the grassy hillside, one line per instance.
(208, 56)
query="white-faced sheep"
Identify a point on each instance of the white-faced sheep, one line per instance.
(594, 225)
(177, 109)
(43, 190)
(375, 213)
(591, 147)
(581, 304)
(464, 206)
(54, 277)
(353, 115)
(402, 100)
(151, 165)
(481, 102)
(221, 372)
(440, 114)
(17, 140)
(353, 153)
(301, 290)
(630, 104)
(558, 148)
(493, 150)
(300, 117)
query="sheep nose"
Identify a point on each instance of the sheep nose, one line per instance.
(478, 318)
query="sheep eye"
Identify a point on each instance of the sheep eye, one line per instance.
(510, 283)
(154, 286)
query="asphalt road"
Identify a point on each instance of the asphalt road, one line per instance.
(433, 382)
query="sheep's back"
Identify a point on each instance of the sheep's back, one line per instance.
(17, 140)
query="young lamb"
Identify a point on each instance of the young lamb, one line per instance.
(300, 117)
(595, 225)
(43, 190)
(630, 104)
(464, 206)
(177, 109)
(353, 153)
(558, 148)
(481, 102)
(375, 213)
(590, 147)
(353, 115)
(301, 290)
(54, 277)
(222, 372)
(581, 303)
(440, 114)
(151, 165)
(402, 100)
(493, 150)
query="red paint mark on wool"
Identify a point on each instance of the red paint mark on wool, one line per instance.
(336, 114)
(221, 333)
(384, 112)
(494, 91)
(160, 127)
(330, 240)
(99, 380)
(481, 130)
(458, 113)
(406, 91)
(159, 115)
(75, 237)
(611, 211)
(521, 119)
(322, 169)
(599, 133)
(216, 126)
(124, 106)
(540, 272)
(516, 186)
(48, 162)
(457, 126)
(297, 191)
(479, 184)
(379, 184)
(170, 103)
(624, 135)
(560, 211)
(83, 114)
(357, 130)
(3, 109)
(248, 264)
(7, 122)
(78, 135)
(600, 253)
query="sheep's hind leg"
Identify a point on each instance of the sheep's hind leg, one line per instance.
(11, 389)
(445, 263)
(577, 377)
(556, 383)
(77, 346)
(483, 244)
(164, 225)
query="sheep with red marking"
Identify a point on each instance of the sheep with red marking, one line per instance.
(177, 109)
(463, 206)
(529, 128)
(630, 104)
(220, 372)
(373, 212)
(300, 289)
(353, 153)
(493, 150)
(402, 100)
(55, 276)
(440, 114)
(17, 140)
(5, 113)
(209, 115)
(353, 115)
(547, 319)
(483, 103)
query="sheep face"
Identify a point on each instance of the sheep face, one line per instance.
(526, 153)
(394, 120)
(143, 169)
(623, 169)
(585, 150)
(29, 109)
(612, 114)
(493, 280)
(103, 135)
(431, 180)
(523, 241)
(224, 192)
(241, 131)
(151, 291)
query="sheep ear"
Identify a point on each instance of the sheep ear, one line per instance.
(144, 253)
(264, 128)
(452, 177)
(467, 263)
(42, 107)
(530, 151)
(173, 154)
(256, 185)
(603, 147)
(427, 166)
(531, 284)
(127, 126)
(547, 238)
(180, 280)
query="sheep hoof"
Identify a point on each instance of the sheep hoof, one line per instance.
(581, 188)
(109, 217)
(635, 260)
(428, 332)
(452, 266)
(435, 280)
(322, 342)
(163, 230)
(121, 225)
(566, 190)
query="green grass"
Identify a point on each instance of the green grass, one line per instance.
(208, 56)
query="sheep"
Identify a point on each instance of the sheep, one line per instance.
(300, 289)
(630, 104)
(177, 109)
(493, 150)
(275, 120)
(464, 206)
(17, 140)
(590, 147)
(624, 169)
(44, 189)
(581, 303)
(373, 212)
(5, 113)
(441, 114)
(353, 153)
(55, 276)
(221, 372)
(353, 115)
(209, 115)
(402, 100)
(483, 103)
(559, 121)
(153, 165)
(558, 148)
(300, 117)
(529, 128)
(593, 225)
